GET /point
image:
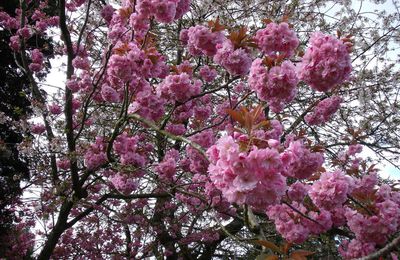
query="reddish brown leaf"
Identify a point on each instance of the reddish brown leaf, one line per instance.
(371, 168)
(300, 254)
(248, 122)
(215, 26)
(269, 245)
(285, 19)
(257, 112)
(285, 247)
(267, 20)
(237, 116)
(125, 12)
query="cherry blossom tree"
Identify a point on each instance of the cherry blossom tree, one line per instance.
(208, 129)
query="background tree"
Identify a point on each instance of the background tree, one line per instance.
(15, 107)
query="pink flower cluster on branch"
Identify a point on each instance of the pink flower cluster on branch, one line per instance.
(326, 63)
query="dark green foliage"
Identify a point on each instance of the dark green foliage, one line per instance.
(14, 104)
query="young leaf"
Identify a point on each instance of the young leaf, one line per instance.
(237, 116)
(300, 254)
(269, 245)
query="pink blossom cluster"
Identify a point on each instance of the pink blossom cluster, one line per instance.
(63, 164)
(202, 109)
(276, 85)
(293, 226)
(205, 236)
(76, 104)
(25, 32)
(176, 129)
(218, 201)
(95, 156)
(375, 222)
(185, 67)
(107, 13)
(20, 240)
(323, 112)
(55, 109)
(331, 190)
(252, 178)
(8, 22)
(109, 94)
(194, 204)
(123, 67)
(179, 87)
(201, 40)
(147, 103)
(326, 63)
(277, 40)
(43, 22)
(123, 183)
(270, 135)
(38, 128)
(354, 248)
(197, 162)
(80, 62)
(73, 5)
(37, 60)
(164, 11)
(354, 149)
(14, 43)
(167, 167)
(298, 191)
(300, 162)
(129, 62)
(235, 61)
(184, 112)
(127, 147)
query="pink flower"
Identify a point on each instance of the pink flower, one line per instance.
(14, 43)
(167, 168)
(355, 249)
(236, 62)
(55, 109)
(277, 86)
(176, 129)
(73, 84)
(201, 40)
(63, 164)
(164, 10)
(109, 94)
(354, 149)
(107, 13)
(95, 156)
(147, 104)
(81, 63)
(277, 39)
(326, 63)
(38, 129)
(300, 162)
(331, 189)
(123, 183)
(182, 8)
(179, 87)
(323, 111)
(286, 223)
(298, 191)
(25, 33)
(252, 178)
